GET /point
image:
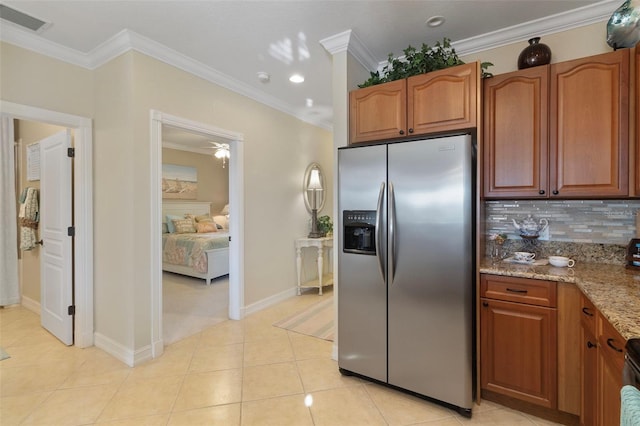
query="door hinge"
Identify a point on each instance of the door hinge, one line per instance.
(71, 310)
(71, 231)
(71, 152)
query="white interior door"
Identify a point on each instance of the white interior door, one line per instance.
(56, 280)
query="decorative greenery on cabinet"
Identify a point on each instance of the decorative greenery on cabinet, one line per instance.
(416, 62)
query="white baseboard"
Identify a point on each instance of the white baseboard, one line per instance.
(269, 301)
(120, 352)
(31, 304)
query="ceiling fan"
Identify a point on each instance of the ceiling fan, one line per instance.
(221, 152)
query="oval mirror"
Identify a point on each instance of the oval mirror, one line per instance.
(313, 186)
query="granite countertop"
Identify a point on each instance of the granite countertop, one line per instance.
(613, 289)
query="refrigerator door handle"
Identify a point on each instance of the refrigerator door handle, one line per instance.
(379, 230)
(392, 233)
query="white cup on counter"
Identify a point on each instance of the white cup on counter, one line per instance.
(561, 261)
(524, 256)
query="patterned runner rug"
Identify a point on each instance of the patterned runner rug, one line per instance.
(315, 320)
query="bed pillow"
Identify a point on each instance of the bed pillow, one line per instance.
(165, 228)
(170, 219)
(183, 226)
(204, 218)
(206, 227)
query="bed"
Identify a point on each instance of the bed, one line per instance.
(203, 255)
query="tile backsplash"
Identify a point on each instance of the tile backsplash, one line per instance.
(591, 229)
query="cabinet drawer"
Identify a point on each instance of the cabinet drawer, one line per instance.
(611, 342)
(588, 314)
(520, 290)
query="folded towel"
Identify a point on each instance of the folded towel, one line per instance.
(630, 406)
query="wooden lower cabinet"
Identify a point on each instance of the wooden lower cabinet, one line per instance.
(518, 343)
(609, 372)
(602, 362)
(589, 394)
(589, 364)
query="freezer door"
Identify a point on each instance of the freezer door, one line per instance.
(361, 288)
(431, 268)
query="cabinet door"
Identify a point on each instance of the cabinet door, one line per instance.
(443, 100)
(518, 349)
(378, 112)
(589, 367)
(589, 119)
(516, 134)
(610, 363)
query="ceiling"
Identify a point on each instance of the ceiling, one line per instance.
(230, 42)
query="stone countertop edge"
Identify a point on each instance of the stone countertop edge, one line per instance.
(613, 289)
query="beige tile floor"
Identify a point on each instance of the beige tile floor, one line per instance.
(232, 373)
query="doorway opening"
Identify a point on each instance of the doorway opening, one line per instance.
(82, 208)
(234, 140)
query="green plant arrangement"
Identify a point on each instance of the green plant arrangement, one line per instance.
(416, 62)
(325, 225)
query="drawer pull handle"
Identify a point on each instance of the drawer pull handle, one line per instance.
(590, 345)
(516, 290)
(585, 311)
(613, 347)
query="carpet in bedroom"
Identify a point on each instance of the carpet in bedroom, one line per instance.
(190, 306)
(315, 320)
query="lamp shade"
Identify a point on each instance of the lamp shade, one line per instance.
(314, 180)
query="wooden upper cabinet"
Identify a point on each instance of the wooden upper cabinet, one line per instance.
(378, 112)
(589, 125)
(436, 102)
(443, 100)
(516, 134)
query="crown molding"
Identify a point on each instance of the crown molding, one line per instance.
(127, 40)
(576, 18)
(349, 41)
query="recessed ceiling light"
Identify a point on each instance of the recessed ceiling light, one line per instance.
(435, 21)
(296, 78)
(309, 102)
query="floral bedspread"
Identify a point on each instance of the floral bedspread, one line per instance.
(189, 249)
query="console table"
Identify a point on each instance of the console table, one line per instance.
(322, 245)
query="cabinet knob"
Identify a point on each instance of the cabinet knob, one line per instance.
(485, 304)
(590, 345)
(410, 130)
(402, 132)
(555, 192)
(541, 192)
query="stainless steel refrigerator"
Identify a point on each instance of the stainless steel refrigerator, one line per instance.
(406, 266)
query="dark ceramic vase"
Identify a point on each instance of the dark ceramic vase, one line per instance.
(534, 54)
